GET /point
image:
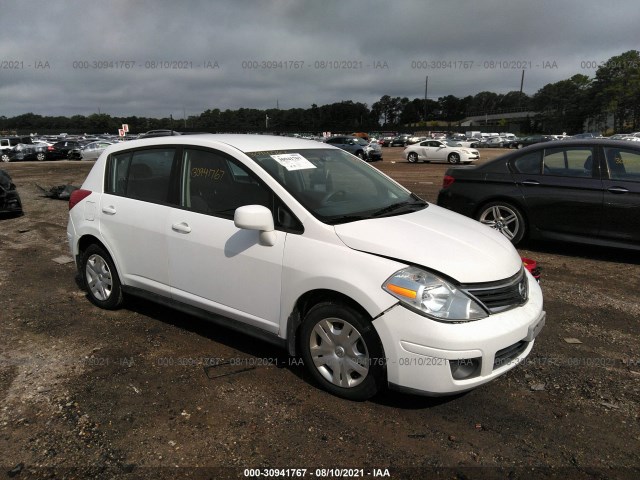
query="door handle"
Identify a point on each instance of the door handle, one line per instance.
(618, 190)
(530, 182)
(181, 227)
(109, 210)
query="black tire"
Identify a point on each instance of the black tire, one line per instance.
(412, 157)
(342, 337)
(100, 278)
(360, 154)
(5, 157)
(453, 157)
(519, 146)
(504, 217)
(40, 156)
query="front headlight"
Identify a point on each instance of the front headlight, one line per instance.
(432, 296)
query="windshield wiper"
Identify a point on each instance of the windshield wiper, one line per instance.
(396, 207)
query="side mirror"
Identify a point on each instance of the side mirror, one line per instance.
(256, 217)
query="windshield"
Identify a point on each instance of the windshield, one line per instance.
(335, 186)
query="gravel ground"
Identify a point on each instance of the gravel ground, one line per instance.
(130, 393)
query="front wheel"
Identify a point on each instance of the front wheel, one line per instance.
(342, 351)
(412, 157)
(453, 158)
(101, 279)
(505, 218)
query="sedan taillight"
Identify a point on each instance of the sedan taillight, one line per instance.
(447, 181)
(77, 196)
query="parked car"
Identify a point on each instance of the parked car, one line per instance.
(60, 150)
(400, 141)
(585, 191)
(90, 151)
(9, 143)
(495, 142)
(439, 151)
(465, 142)
(385, 141)
(27, 151)
(159, 133)
(586, 135)
(526, 141)
(10, 203)
(303, 245)
(357, 146)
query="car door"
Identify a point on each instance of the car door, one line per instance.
(621, 219)
(213, 264)
(421, 150)
(562, 189)
(133, 214)
(436, 151)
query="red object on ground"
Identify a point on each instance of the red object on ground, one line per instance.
(532, 266)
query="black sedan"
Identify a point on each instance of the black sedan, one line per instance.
(60, 150)
(10, 203)
(585, 191)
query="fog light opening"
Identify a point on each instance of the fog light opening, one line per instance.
(465, 368)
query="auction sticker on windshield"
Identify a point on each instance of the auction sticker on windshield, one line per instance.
(293, 161)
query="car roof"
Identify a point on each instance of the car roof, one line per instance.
(242, 142)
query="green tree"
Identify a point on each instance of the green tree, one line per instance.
(616, 89)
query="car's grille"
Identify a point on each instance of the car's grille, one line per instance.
(503, 295)
(505, 355)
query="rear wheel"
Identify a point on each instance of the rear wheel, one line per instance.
(5, 157)
(505, 218)
(342, 351)
(40, 156)
(412, 157)
(101, 279)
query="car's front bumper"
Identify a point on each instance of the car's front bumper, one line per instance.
(421, 354)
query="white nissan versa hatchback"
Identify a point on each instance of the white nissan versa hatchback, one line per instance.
(305, 245)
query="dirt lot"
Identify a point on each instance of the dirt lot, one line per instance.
(126, 394)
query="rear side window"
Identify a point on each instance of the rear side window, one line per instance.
(623, 164)
(530, 163)
(569, 162)
(142, 174)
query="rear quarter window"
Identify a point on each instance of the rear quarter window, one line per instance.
(142, 174)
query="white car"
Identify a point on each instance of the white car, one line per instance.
(303, 245)
(439, 151)
(466, 143)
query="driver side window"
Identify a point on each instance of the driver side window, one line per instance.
(213, 184)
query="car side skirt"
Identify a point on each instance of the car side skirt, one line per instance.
(218, 320)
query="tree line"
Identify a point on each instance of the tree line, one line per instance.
(610, 100)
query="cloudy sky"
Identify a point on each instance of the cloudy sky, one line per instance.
(161, 58)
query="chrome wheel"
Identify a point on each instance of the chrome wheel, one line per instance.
(40, 156)
(339, 352)
(98, 278)
(504, 218)
(5, 157)
(412, 157)
(453, 158)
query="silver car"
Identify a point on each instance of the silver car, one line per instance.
(92, 150)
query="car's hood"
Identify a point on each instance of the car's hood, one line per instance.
(439, 239)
